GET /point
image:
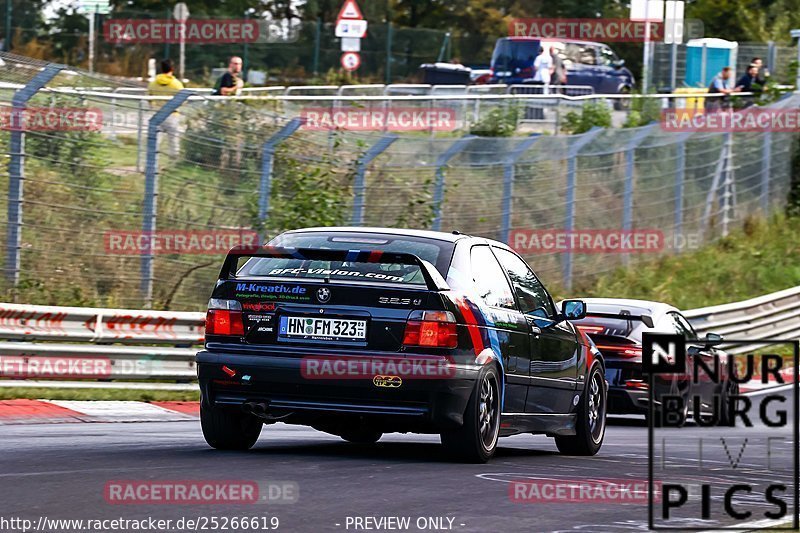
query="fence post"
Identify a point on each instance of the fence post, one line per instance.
(438, 191)
(139, 129)
(151, 188)
(766, 170)
(680, 176)
(267, 159)
(569, 216)
(630, 159)
(388, 53)
(16, 168)
(359, 184)
(317, 39)
(728, 186)
(508, 184)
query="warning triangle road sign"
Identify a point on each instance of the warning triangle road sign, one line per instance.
(350, 11)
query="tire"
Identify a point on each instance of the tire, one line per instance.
(362, 436)
(590, 426)
(228, 429)
(622, 104)
(476, 440)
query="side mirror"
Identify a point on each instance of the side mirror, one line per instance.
(619, 63)
(713, 339)
(573, 309)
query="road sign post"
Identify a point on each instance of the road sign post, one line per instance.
(92, 8)
(350, 28)
(181, 14)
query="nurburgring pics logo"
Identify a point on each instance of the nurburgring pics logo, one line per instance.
(51, 119)
(393, 119)
(190, 242)
(751, 119)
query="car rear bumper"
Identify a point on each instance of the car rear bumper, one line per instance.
(277, 381)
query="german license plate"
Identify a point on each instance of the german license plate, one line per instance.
(335, 329)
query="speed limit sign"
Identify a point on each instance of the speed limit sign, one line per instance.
(351, 61)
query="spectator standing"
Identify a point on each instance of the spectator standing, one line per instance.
(230, 83)
(543, 64)
(166, 84)
(722, 83)
(559, 72)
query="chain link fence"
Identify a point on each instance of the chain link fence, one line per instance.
(203, 165)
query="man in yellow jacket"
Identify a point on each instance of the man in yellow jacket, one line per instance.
(166, 84)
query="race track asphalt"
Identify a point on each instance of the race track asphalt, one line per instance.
(60, 471)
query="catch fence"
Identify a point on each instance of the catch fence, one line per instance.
(246, 165)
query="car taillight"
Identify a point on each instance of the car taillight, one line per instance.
(224, 317)
(432, 329)
(620, 351)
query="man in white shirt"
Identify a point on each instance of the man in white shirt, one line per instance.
(543, 64)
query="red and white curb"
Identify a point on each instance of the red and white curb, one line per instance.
(756, 384)
(65, 411)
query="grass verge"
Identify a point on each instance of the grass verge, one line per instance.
(762, 257)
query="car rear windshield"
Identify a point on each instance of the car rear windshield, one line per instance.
(436, 252)
(615, 327)
(509, 54)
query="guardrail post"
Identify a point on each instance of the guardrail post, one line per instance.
(438, 191)
(16, 169)
(569, 207)
(360, 184)
(627, 199)
(508, 184)
(766, 170)
(151, 188)
(267, 160)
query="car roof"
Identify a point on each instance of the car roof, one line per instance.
(419, 233)
(549, 40)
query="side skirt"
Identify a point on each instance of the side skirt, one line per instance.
(549, 424)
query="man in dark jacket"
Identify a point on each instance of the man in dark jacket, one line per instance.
(230, 83)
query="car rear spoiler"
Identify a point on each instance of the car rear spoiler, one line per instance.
(433, 280)
(623, 315)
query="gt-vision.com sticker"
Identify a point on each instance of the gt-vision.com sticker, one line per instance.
(723, 432)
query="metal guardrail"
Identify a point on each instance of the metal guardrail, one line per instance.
(771, 316)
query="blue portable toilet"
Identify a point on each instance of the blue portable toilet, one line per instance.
(706, 57)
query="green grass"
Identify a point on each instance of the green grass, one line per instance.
(761, 258)
(35, 393)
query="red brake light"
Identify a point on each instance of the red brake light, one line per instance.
(432, 329)
(592, 329)
(224, 317)
(623, 351)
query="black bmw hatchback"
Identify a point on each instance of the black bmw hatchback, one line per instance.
(363, 331)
